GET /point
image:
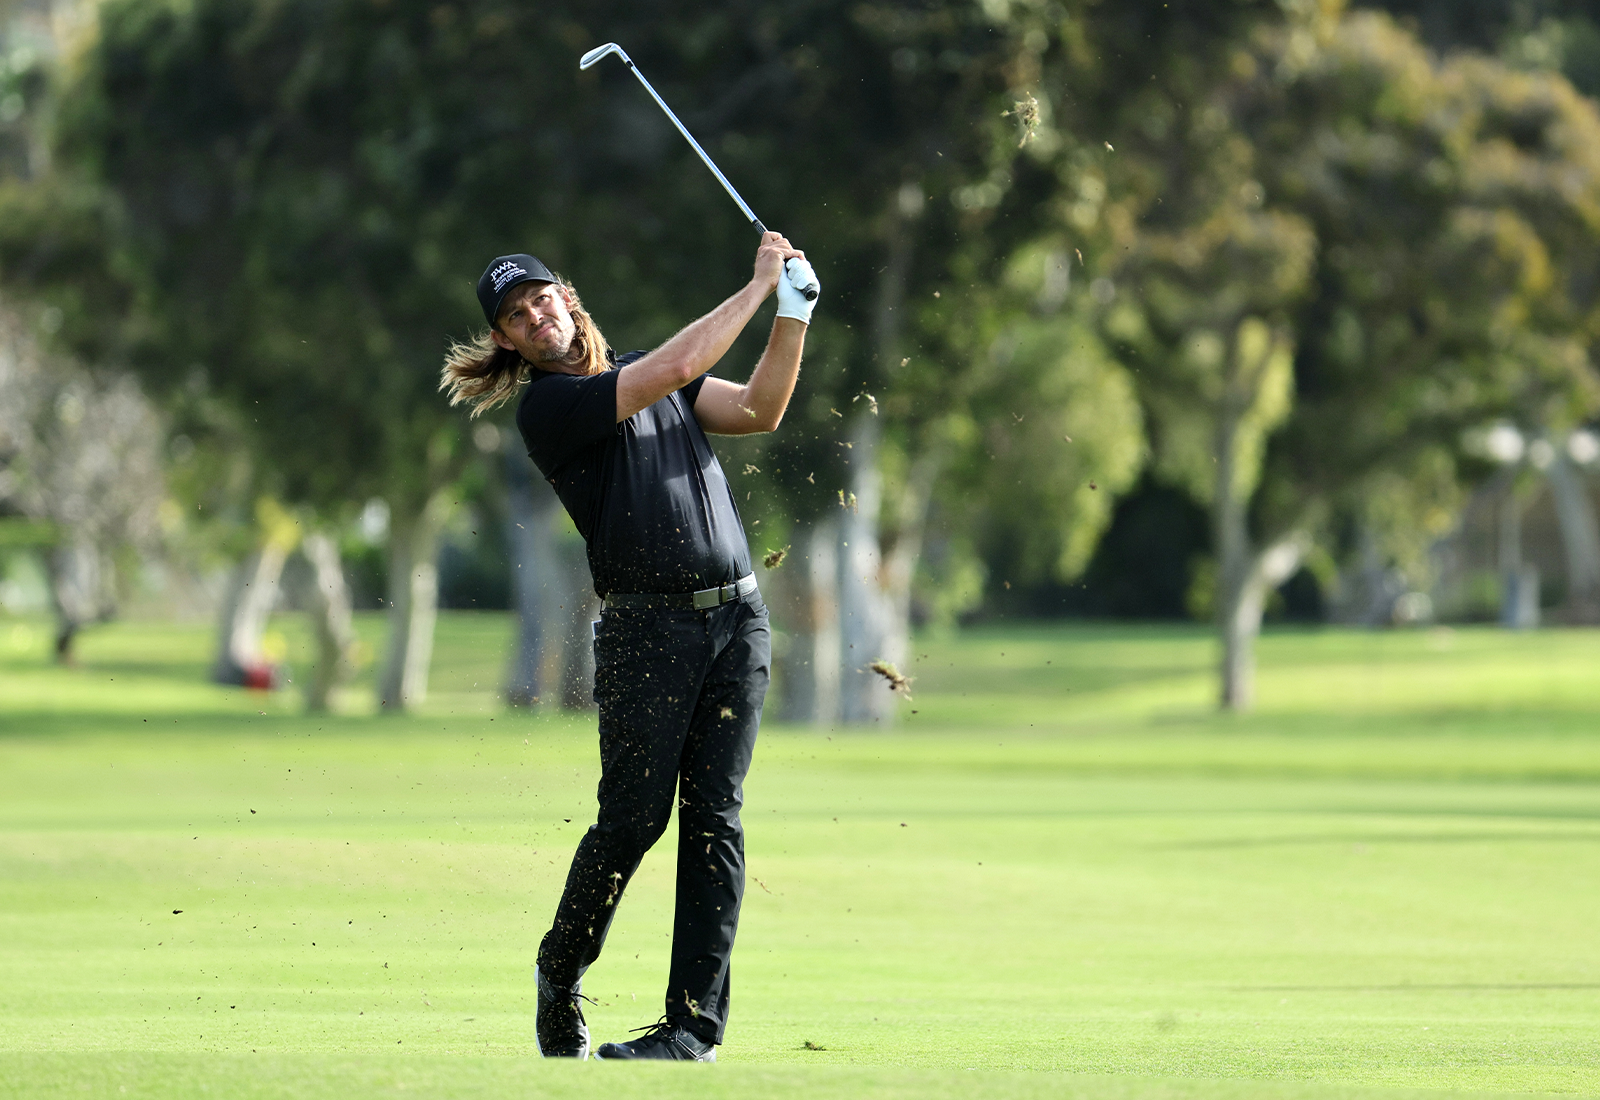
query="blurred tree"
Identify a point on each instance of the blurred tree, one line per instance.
(302, 193)
(1431, 303)
(1209, 337)
(80, 454)
(1455, 281)
(981, 139)
(1548, 35)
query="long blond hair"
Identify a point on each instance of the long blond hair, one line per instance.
(484, 374)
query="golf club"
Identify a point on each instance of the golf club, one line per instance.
(801, 277)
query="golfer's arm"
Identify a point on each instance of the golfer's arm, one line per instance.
(726, 408)
(688, 355)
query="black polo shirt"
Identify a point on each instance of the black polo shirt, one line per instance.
(648, 494)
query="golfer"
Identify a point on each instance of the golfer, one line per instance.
(682, 648)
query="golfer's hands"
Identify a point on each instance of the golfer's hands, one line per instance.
(798, 278)
(773, 250)
(779, 264)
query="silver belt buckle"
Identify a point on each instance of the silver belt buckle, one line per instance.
(707, 598)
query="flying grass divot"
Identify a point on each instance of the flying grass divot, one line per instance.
(898, 682)
(1026, 112)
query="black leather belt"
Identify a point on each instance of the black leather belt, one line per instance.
(702, 600)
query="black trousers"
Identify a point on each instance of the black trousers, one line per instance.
(680, 696)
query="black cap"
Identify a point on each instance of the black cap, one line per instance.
(504, 273)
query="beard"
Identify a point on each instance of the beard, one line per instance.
(558, 347)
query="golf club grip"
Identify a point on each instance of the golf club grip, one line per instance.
(802, 278)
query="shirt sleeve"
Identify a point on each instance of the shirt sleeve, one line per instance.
(691, 392)
(564, 413)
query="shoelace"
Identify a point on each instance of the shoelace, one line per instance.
(575, 995)
(662, 1025)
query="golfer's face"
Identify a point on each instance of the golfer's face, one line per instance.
(535, 320)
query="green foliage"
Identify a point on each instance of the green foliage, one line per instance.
(291, 201)
(1417, 233)
(1052, 433)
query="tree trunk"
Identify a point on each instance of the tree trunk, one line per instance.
(413, 602)
(77, 592)
(531, 513)
(244, 619)
(900, 565)
(1241, 619)
(330, 620)
(1231, 536)
(1519, 596)
(806, 597)
(1244, 577)
(864, 613)
(1580, 537)
(577, 607)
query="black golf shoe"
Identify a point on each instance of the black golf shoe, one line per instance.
(666, 1041)
(558, 1025)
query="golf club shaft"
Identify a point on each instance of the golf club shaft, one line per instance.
(687, 136)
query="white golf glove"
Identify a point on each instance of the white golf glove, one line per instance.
(792, 301)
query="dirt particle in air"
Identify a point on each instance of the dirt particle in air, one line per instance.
(898, 682)
(1026, 112)
(751, 468)
(725, 712)
(775, 558)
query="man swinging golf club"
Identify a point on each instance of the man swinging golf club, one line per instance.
(682, 648)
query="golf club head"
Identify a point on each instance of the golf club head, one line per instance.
(599, 52)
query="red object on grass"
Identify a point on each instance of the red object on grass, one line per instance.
(260, 677)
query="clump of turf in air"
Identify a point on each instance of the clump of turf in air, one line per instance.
(897, 681)
(1026, 112)
(774, 558)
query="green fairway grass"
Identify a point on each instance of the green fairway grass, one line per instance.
(1061, 875)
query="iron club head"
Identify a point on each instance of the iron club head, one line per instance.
(599, 52)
